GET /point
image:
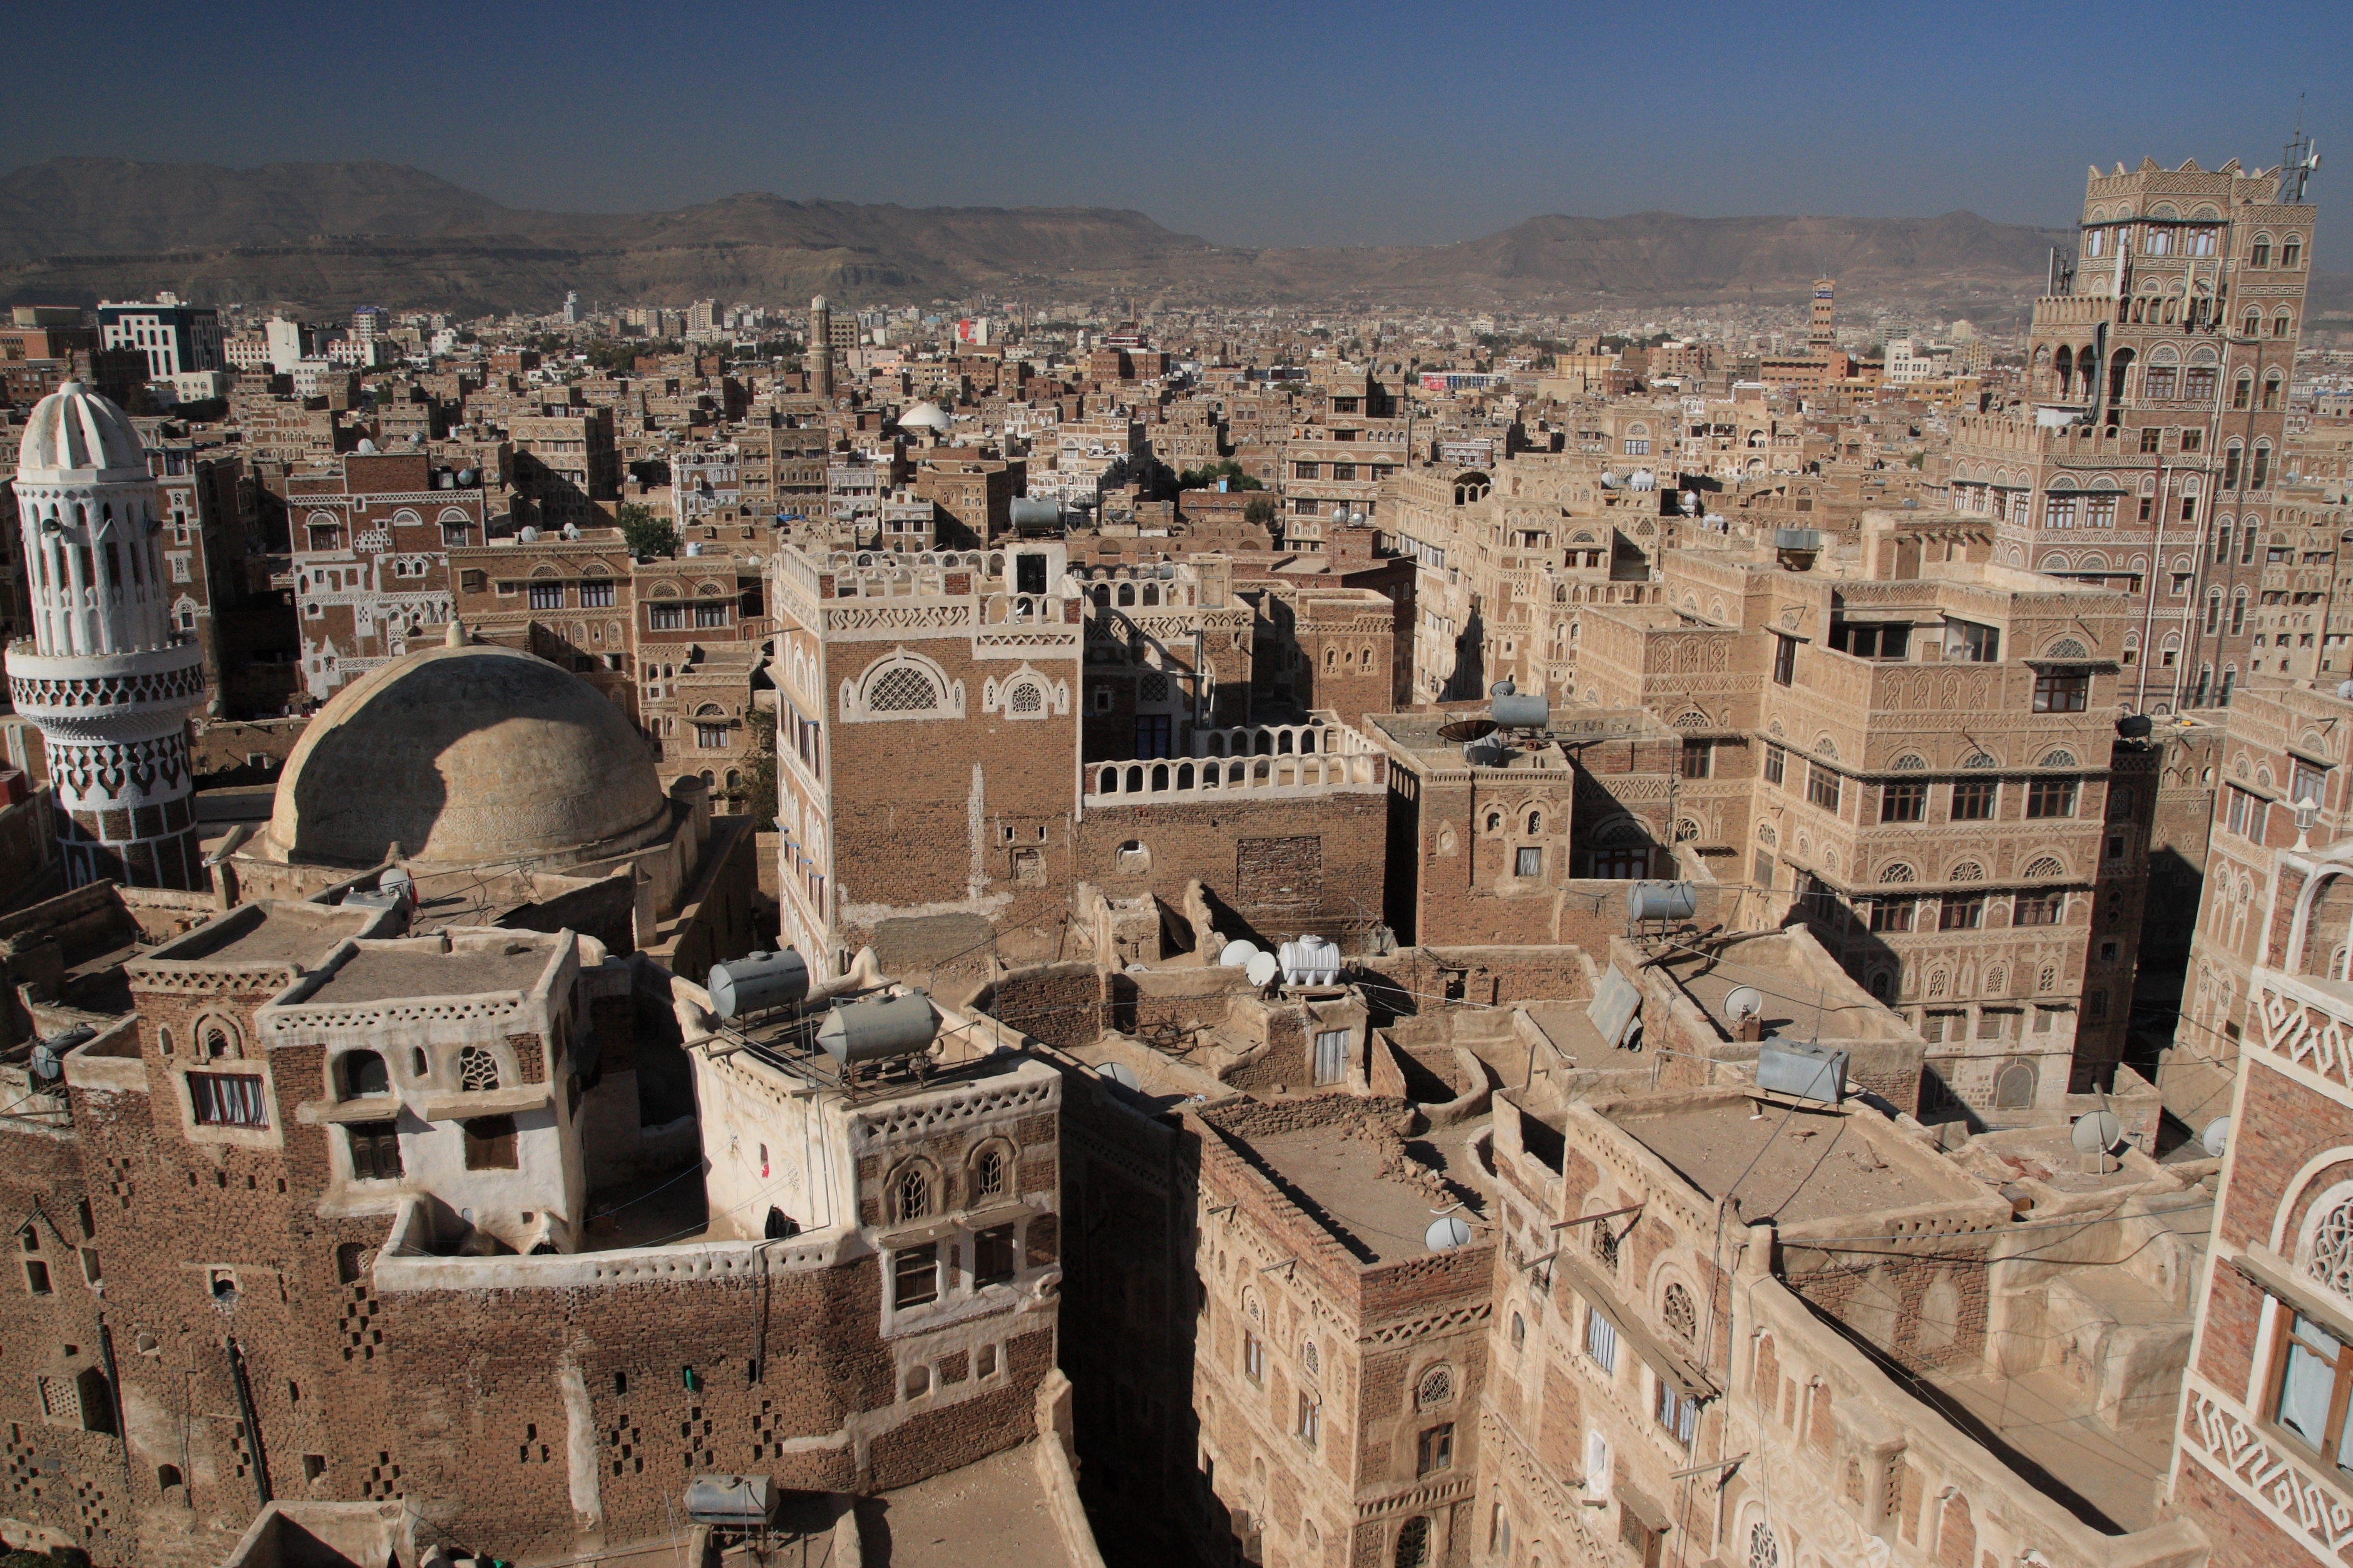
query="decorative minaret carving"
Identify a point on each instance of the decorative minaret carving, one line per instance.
(820, 348)
(105, 676)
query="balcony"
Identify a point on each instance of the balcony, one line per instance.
(2307, 1022)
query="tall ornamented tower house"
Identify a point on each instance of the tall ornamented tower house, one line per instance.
(104, 677)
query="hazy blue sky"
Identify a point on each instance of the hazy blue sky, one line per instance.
(1249, 123)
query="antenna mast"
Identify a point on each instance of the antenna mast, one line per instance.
(2301, 162)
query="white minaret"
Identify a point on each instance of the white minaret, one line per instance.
(105, 676)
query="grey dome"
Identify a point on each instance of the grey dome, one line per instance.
(464, 755)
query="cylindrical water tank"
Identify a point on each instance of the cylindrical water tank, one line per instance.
(757, 982)
(879, 1028)
(1523, 711)
(1661, 901)
(1032, 514)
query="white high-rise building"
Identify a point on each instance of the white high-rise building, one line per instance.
(105, 678)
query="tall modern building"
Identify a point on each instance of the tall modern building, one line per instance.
(105, 678)
(2149, 460)
(177, 338)
(1822, 327)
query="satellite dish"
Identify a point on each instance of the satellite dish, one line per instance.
(1120, 1074)
(45, 1061)
(1238, 953)
(1261, 968)
(2098, 1132)
(2216, 1139)
(399, 882)
(1463, 731)
(1446, 1233)
(1743, 1003)
(1503, 688)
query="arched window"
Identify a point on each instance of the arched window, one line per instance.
(365, 1073)
(2272, 390)
(1436, 1388)
(2332, 1247)
(2251, 325)
(2283, 324)
(1535, 823)
(2243, 389)
(2292, 251)
(1413, 1543)
(1605, 1246)
(1764, 1551)
(911, 1194)
(988, 1174)
(1680, 1315)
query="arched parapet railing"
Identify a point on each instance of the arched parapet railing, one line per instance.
(1140, 783)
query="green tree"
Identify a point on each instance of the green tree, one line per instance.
(645, 534)
(1206, 476)
(1259, 510)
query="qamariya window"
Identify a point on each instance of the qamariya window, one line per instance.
(903, 685)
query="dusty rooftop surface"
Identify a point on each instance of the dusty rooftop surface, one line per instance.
(2106, 1479)
(1819, 1165)
(1341, 1177)
(378, 974)
(286, 933)
(1794, 1006)
(990, 1511)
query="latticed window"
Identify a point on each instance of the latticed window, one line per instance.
(1604, 1247)
(477, 1068)
(2332, 1249)
(912, 1194)
(1437, 1387)
(1680, 1315)
(1027, 699)
(1311, 1359)
(902, 690)
(1764, 1551)
(1153, 688)
(988, 1174)
(1413, 1543)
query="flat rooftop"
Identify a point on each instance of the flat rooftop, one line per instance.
(1340, 1175)
(991, 1510)
(380, 973)
(273, 932)
(1821, 1165)
(1802, 1001)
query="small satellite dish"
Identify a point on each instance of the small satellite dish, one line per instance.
(1743, 1002)
(1237, 955)
(1261, 968)
(2098, 1132)
(1464, 730)
(1504, 687)
(1120, 1074)
(45, 1061)
(398, 882)
(1446, 1233)
(2217, 1136)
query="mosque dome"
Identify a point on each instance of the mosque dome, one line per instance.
(464, 755)
(927, 416)
(74, 431)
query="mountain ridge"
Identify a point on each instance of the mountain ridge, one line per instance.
(328, 236)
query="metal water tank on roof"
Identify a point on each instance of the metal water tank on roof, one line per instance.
(1661, 901)
(1523, 711)
(1803, 1070)
(879, 1028)
(757, 982)
(1033, 515)
(740, 1502)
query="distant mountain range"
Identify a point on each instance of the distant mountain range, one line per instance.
(326, 237)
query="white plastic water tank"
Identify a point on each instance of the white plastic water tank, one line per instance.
(1310, 960)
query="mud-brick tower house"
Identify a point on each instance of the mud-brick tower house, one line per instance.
(106, 678)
